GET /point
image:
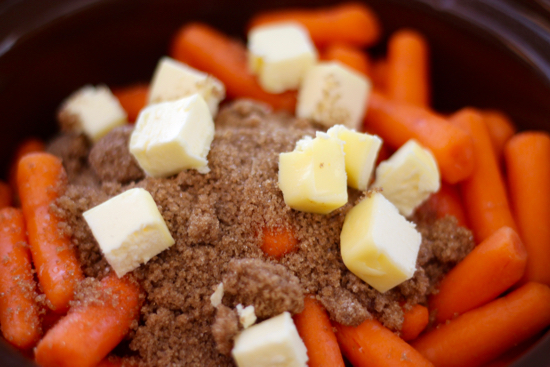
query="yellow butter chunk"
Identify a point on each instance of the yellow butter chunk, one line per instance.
(129, 229)
(408, 177)
(360, 151)
(378, 244)
(313, 176)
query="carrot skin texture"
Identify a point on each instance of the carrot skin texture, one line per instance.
(19, 320)
(132, 99)
(397, 122)
(484, 192)
(31, 145)
(6, 197)
(350, 56)
(415, 321)
(372, 345)
(491, 268)
(528, 166)
(278, 242)
(408, 69)
(89, 332)
(315, 329)
(206, 49)
(351, 23)
(40, 178)
(501, 129)
(480, 335)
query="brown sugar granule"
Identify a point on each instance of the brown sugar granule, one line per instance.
(270, 288)
(224, 329)
(73, 150)
(111, 159)
(217, 221)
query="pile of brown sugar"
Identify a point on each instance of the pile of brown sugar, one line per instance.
(217, 220)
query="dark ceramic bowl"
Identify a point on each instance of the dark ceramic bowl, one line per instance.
(485, 53)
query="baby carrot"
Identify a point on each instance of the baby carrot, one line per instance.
(314, 327)
(40, 178)
(350, 23)
(19, 319)
(415, 321)
(31, 145)
(491, 268)
(397, 122)
(351, 56)
(447, 201)
(408, 75)
(371, 344)
(206, 49)
(6, 197)
(527, 157)
(501, 129)
(278, 241)
(132, 99)
(484, 333)
(91, 330)
(484, 192)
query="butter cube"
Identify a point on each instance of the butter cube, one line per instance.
(313, 176)
(247, 315)
(173, 136)
(274, 342)
(174, 80)
(360, 152)
(280, 54)
(378, 244)
(333, 94)
(92, 110)
(129, 230)
(408, 177)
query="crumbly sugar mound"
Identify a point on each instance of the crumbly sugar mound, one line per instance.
(217, 219)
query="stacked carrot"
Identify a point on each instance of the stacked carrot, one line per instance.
(474, 323)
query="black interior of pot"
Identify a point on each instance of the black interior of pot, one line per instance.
(46, 52)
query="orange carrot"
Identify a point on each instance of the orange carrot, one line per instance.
(416, 320)
(447, 201)
(205, 48)
(350, 56)
(92, 329)
(481, 335)
(314, 327)
(379, 75)
(527, 157)
(6, 197)
(19, 319)
(491, 268)
(484, 193)
(41, 178)
(278, 242)
(408, 70)
(350, 23)
(132, 99)
(371, 344)
(397, 122)
(501, 129)
(31, 145)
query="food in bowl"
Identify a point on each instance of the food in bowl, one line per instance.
(230, 224)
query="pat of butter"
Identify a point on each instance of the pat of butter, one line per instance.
(92, 110)
(129, 230)
(378, 244)
(360, 152)
(332, 94)
(173, 136)
(174, 80)
(408, 177)
(274, 342)
(280, 55)
(313, 176)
